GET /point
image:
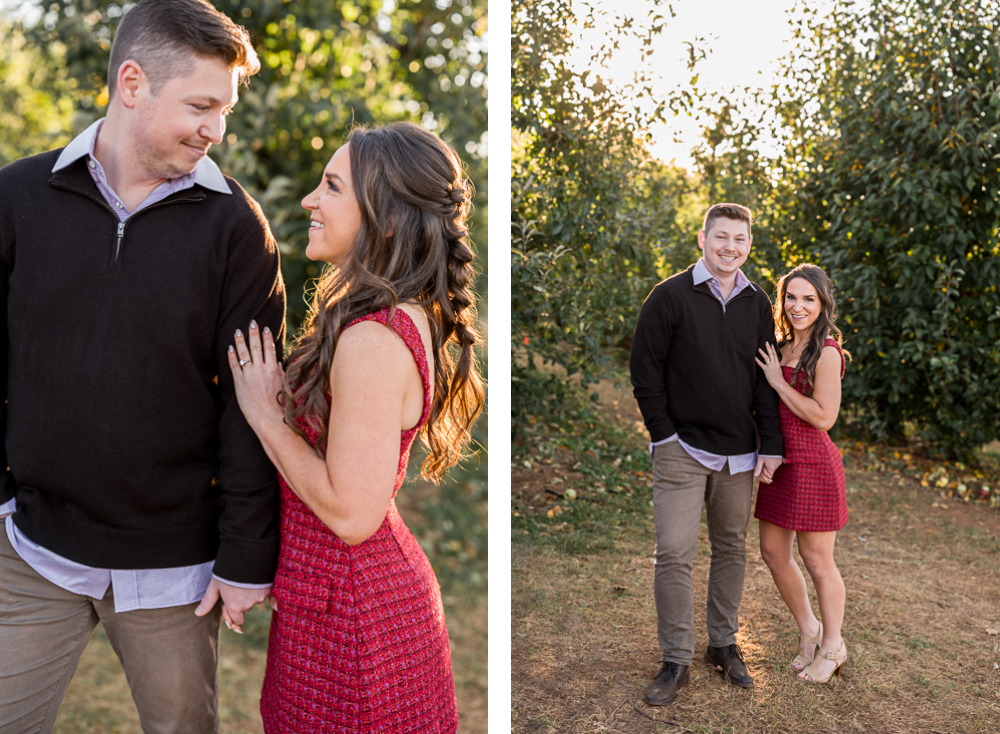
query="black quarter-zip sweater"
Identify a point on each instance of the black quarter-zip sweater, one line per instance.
(125, 444)
(693, 370)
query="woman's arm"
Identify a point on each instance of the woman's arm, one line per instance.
(372, 383)
(822, 408)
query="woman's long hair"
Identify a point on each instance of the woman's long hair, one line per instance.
(824, 326)
(412, 246)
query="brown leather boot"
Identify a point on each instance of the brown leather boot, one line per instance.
(663, 690)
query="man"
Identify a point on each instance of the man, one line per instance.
(704, 402)
(134, 488)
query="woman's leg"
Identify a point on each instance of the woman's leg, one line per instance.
(816, 550)
(776, 550)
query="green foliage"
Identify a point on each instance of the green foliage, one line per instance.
(899, 197)
(889, 116)
(324, 67)
(591, 211)
(34, 111)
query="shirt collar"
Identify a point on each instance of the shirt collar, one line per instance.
(206, 174)
(701, 274)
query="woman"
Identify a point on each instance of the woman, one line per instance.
(358, 641)
(805, 500)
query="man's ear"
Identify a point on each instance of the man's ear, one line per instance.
(130, 79)
(701, 239)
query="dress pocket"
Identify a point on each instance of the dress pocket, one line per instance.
(302, 590)
(810, 446)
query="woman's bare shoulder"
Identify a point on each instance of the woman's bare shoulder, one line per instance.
(369, 346)
(830, 361)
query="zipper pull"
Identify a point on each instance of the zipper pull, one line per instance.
(121, 233)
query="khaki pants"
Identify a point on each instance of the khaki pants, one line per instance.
(680, 485)
(169, 655)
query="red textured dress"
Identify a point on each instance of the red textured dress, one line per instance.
(807, 493)
(358, 642)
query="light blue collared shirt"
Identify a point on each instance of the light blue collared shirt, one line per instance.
(740, 462)
(143, 588)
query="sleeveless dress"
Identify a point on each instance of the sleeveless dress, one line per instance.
(358, 642)
(807, 493)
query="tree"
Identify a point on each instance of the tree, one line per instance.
(890, 180)
(591, 209)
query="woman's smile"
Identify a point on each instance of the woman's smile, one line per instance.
(802, 305)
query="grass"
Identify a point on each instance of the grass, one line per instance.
(450, 523)
(923, 590)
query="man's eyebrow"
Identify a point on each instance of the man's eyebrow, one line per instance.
(212, 100)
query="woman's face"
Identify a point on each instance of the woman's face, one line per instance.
(334, 214)
(802, 305)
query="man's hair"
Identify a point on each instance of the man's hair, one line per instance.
(728, 211)
(162, 36)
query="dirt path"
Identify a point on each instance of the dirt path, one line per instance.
(922, 623)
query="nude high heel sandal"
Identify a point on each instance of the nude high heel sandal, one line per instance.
(839, 657)
(801, 662)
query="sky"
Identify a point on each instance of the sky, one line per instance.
(744, 40)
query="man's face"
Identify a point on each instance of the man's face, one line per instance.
(176, 126)
(726, 246)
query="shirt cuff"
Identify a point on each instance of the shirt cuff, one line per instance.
(769, 456)
(8, 507)
(241, 586)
